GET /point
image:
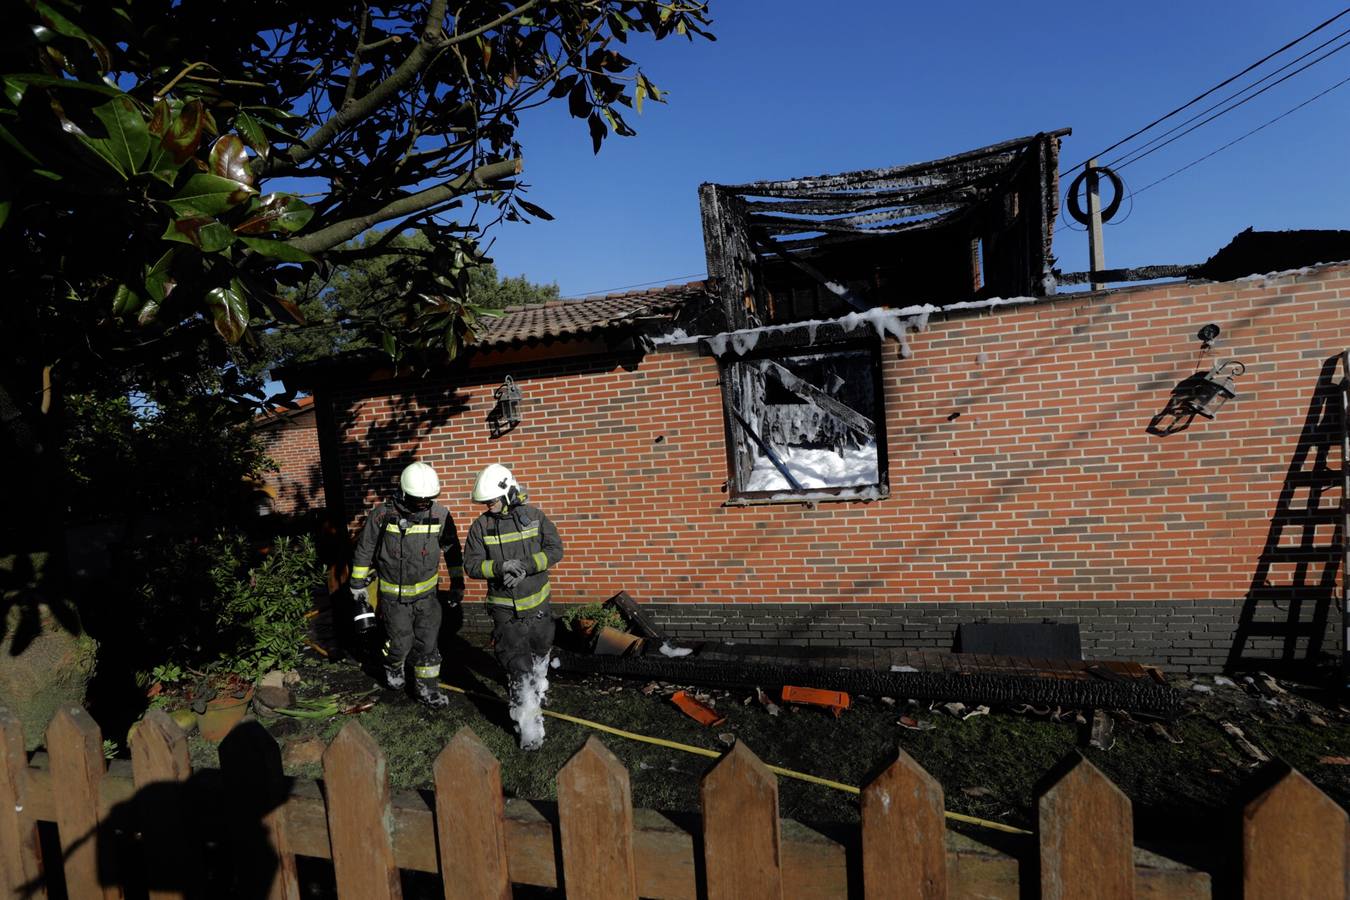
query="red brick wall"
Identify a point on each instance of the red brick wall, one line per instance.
(293, 444)
(1047, 487)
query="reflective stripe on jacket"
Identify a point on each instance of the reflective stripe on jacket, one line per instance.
(405, 550)
(523, 532)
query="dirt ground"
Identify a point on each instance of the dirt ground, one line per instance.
(1185, 778)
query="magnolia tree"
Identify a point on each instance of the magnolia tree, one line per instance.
(168, 170)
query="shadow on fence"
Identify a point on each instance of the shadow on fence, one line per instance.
(247, 831)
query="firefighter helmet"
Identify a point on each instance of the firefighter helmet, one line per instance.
(419, 480)
(493, 482)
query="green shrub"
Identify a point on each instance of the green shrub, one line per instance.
(603, 614)
(219, 606)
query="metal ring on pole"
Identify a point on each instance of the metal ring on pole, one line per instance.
(1076, 209)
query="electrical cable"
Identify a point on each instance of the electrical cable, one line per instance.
(1116, 163)
(1243, 137)
(715, 754)
(627, 287)
(1216, 87)
(1231, 108)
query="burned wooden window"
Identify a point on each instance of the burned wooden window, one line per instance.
(805, 423)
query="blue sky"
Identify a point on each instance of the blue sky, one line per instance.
(794, 88)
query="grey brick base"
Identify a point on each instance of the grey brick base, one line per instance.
(1180, 636)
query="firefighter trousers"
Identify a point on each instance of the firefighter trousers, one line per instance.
(411, 627)
(518, 642)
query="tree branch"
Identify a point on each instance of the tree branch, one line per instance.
(433, 36)
(505, 17)
(339, 232)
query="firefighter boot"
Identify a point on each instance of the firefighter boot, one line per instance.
(393, 676)
(426, 686)
(525, 711)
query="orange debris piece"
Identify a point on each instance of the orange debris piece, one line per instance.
(699, 712)
(835, 701)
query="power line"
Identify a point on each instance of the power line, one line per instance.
(1117, 162)
(1216, 87)
(1233, 107)
(1235, 140)
(628, 287)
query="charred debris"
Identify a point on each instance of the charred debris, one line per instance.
(972, 679)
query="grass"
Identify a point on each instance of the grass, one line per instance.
(989, 765)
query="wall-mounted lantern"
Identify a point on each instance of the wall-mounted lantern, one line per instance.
(1209, 392)
(506, 414)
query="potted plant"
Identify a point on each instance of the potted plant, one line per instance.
(585, 618)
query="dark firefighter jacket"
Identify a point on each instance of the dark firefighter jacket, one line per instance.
(404, 551)
(521, 532)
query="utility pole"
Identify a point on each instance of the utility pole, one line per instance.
(1096, 251)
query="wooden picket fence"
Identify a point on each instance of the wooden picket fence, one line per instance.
(1293, 837)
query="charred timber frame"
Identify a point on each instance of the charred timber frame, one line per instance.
(1005, 195)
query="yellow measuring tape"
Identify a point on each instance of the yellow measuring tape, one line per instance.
(714, 754)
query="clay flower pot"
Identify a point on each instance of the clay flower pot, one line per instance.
(222, 714)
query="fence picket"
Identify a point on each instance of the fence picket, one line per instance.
(595, 814)
(471, 820)
(1294, 840)
(742, 839)
(904, 834)
(20, 853)
(75, 752)
(1086, 830)
(250, 762)
(360, 816)
(160, 766)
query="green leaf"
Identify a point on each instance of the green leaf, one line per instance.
(159, 162)
(277, 212)
(60, 24)
(598, 131)
(14, 90)
(391, 348)
(277, 250)
(126, 301)
(250, 128)
(34, 79)
(209, 195)
(184, 133)
(158, 281)
(148, 312)
(202, 232)
(536, 211)
(229, 160)
(128, 139)
(229, 311)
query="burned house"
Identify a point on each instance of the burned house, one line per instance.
(878, 420)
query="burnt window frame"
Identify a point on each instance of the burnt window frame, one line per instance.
(784, 347)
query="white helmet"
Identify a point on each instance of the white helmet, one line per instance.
(493, 482)
(419, 480)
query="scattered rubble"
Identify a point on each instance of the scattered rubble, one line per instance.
(1240, 739)
(1102, 734)
(696, 709)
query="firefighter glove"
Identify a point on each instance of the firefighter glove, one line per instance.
(512, 571)
(455, 597)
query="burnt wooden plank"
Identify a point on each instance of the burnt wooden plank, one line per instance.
(742, 840)
(360, 817)
(1086, 831)
(595, 815)
(814, 395)
(1294, 840)
(471, 820)
(75, 756)
(161, 767)
(20, 852)
(904, 834)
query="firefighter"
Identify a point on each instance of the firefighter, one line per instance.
(401, 545)
(511, 546)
